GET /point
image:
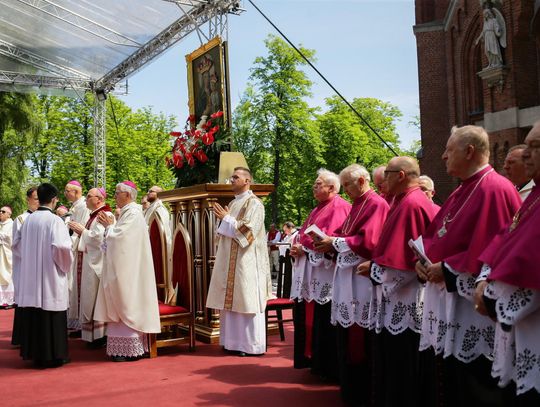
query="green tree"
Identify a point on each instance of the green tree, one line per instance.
(275, 129)
(17, 131)
(137, 143)
(348, 140)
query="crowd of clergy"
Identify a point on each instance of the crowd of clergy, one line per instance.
(81, 272)
(454, 322)
(399, 300)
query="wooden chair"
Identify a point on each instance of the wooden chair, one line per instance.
(282, 302)
(177, 319)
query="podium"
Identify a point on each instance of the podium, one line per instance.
(194, 208)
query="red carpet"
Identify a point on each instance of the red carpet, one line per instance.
(206, 377)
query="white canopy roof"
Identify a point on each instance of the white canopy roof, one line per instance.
(58, 46)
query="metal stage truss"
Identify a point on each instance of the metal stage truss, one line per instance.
(71, 46)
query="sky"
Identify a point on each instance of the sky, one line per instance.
(365, 48)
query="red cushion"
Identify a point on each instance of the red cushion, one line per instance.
(279, 301)
(165, 309)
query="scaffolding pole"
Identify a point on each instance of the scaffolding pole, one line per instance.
(99, 140)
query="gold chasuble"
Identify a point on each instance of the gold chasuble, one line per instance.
(241, 276)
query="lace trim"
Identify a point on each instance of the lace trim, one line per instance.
(377, 273)
(340, 245)
(466, 284)
(348, 259)
(449, 327)
(308, 286)
(74, 324)
(397, 307)
(7, 298)
(314, 258)
(122, 346)
(518, 362)
(484, 273)
(510, 308)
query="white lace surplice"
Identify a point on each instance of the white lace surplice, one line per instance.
(312, 278)
(517, 352)
(352, 293)
(396, 300)
(451, 325)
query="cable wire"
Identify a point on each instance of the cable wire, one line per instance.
(324, 78)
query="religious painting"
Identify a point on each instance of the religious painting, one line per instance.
(208, 80)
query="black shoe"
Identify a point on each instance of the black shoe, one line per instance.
(125, 358)
(244, 354)
(97, 344)
(75, 334)
(45, 364)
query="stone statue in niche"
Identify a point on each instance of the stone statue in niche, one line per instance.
(494, 35)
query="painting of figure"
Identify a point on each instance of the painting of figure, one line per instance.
(207, 80)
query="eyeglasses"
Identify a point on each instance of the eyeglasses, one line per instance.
(91, 196)
(386, 172)
(120, 192)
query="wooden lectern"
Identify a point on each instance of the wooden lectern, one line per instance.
(193, 207)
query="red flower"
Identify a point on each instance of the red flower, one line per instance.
(190, 160)
(201, 156)
(177, 160)
(208, 138)
(175, 133)
(191, 118)
(217, 114)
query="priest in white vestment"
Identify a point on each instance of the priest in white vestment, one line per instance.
(127, 296)
(6, 281)
(91, 239)
(32, 202)
(156, 206)
(156, 210)
(240, 284)
(78, 213)
(44, 247)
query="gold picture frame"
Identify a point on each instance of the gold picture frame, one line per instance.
(208, 80)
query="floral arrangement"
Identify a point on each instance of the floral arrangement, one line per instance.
(195, 151)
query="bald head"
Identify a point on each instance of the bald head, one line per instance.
(378, 178)
(152, 193)
(94, 199)
(406, 164)
(401, 174)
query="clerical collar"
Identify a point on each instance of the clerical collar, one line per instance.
(520, 187)
(29, 211)
(97, 209)
(243, 194)
(45, 208)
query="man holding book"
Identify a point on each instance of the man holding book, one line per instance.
(353, 243)
(314, 335)
(469, 219)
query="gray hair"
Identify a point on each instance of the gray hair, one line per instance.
(475, 136)
(428, 181)
(378, 169)
(126, 188)
(354, 172)
(518, 147)
(329, 178)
